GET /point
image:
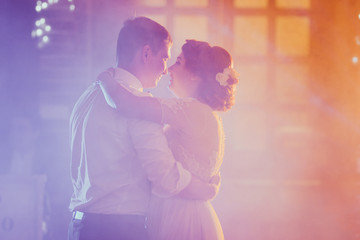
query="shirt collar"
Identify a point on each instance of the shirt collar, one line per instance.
(127, 79)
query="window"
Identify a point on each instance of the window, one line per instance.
(270, 44)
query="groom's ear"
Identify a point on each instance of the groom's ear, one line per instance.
(146, 53)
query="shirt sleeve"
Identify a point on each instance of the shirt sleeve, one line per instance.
(167, 176)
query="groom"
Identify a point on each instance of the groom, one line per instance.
(116, 161)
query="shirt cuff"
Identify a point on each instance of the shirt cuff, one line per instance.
(184, 177)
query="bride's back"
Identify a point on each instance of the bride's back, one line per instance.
(195, 136)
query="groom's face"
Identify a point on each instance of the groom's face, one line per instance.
(157, 65)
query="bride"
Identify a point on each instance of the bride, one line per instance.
(204, 81)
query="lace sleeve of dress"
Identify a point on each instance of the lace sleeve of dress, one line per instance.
(174, 110)
(204, 169)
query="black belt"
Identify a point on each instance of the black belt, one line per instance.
(77, 215)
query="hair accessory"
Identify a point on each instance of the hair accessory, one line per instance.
(223, 77)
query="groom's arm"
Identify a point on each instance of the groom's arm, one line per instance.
(166, 175)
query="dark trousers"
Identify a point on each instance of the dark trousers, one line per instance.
(108, 227)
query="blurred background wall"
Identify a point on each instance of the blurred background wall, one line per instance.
(292, 157)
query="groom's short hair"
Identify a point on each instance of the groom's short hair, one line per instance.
(135, 34)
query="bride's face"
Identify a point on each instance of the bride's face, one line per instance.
(180, 77)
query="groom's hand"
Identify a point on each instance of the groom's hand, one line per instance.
(216, 179)
(200, 190)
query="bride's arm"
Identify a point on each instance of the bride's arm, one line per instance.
(147, 108)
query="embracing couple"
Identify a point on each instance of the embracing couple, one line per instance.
(133, 178)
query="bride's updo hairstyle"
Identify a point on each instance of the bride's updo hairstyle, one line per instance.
(213, 65)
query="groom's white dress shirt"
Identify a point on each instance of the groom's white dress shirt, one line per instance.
(115, 160)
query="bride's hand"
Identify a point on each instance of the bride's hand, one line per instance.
(106, 78)
(200, 190)
(115, 95)
(125, 102)
(111, 87)
(108, 85)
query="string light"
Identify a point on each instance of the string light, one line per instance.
(44, 5)
(357, 39)
(47, 28)
(45, 39)
(355, 60)
(42, 29)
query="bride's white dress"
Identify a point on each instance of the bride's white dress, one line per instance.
(195, 136)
